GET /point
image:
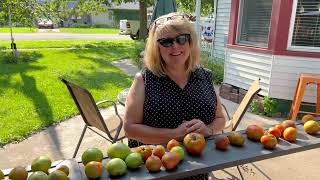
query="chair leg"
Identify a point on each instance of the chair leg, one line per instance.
(297, 100)
(240, 173)
(80, 140)
(318, 100)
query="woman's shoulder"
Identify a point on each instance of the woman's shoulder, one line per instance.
(142, 75)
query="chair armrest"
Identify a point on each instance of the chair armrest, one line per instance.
(116, 111)
(104, 101)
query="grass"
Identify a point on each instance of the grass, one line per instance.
(63, 30)
(18, 30)
(54, 44)
(90, 30)
(32, 95)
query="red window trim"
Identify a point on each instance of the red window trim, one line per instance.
(278, 36)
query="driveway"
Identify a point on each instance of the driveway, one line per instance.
(62, 36)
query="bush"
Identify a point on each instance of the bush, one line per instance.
(269, 106)
(215, 65)
(8, 57)
(266, 107)
(80, 25)
(101, 26)
(256, 107)
(137, 59)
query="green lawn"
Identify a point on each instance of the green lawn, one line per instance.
(18, 30)
(63, 30)
(90, 30)
(55, 44)
(33, 97)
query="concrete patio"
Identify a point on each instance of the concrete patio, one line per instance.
(59, 142)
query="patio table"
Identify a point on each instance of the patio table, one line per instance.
(211, 159)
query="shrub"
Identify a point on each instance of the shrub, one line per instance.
(266, 107)
(8, 57)
(256, 107)
(80, 25)
(216, 65)
(137, 59)
(101, 26)
(269, 106)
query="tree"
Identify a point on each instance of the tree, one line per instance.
(26, 12)
(81, 8)
(143, 19)
(143, 4)
(189, 6)
(21, 13)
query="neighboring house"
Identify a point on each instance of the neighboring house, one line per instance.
(115, 13)
(274, 40)
(109, 18)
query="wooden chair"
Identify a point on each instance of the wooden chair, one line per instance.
(234, 121)
(92, 116)
(304, 80)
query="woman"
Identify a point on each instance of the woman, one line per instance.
(173, 95)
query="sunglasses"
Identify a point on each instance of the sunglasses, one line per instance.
(181, 40)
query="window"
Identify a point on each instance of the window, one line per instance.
(304, 32)
(254, 22)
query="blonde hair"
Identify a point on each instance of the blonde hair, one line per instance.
(152, 58)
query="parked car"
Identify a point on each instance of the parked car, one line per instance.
(132, 27)
(45, 24)
(129, 27)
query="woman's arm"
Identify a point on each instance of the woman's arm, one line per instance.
(219, 122)
(133, 117)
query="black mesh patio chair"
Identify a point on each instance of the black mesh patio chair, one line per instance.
(92, 117)
(233, 122)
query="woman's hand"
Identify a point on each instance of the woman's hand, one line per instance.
(181, 130)
(196, 125)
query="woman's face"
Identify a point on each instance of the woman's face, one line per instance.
(177, 53)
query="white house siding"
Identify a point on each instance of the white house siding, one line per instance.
(104, 18)
(285, 75)
(221, 27)
(242, 68)
(279, 74)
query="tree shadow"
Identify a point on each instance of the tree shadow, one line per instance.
(38, 98)
(41, 105)
(9, 71)
(99, 50)
(10, 68)
(97, 78)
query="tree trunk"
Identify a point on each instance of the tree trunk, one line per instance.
(143, 19)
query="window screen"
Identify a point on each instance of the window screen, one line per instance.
(306, 30)
(254, 22)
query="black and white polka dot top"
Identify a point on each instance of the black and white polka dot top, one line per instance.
(166, 105)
